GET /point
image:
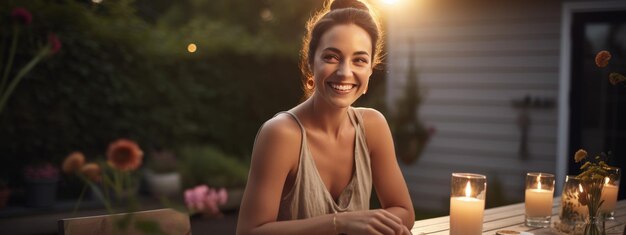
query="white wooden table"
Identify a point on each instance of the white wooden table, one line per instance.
(511, 217)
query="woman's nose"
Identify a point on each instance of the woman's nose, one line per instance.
(344, 69)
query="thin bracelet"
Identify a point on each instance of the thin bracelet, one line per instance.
(335, 222)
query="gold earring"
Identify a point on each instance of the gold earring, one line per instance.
(310, 84)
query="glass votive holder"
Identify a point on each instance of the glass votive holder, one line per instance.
(609, 193)
(572, 211)
(538, 199)
(467, 203)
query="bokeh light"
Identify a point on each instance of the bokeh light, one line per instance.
(191, 47)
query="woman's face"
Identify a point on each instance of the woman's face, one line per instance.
(342, 65)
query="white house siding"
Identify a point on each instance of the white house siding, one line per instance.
(473, 58)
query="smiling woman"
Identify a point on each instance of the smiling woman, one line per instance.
(313, 168)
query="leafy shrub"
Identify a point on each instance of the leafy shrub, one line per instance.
(209, 165)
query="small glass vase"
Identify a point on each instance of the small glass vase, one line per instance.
(593, 226)
(592, 197)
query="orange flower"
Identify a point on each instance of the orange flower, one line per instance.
(92, 171)
(124, 154)
(73, 162)
(580, 155)
(602, 59)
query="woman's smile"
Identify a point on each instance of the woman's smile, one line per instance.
(342, 88)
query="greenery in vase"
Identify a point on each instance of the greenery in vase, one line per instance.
(594, 173)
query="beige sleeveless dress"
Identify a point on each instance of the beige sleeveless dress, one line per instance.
(309, 197)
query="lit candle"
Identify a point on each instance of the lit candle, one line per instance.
(538, 201)
(466, 214)
(609, 195)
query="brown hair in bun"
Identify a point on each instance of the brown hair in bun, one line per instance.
(334, 13)
(339, 4)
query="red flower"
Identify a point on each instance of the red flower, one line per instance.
(124, 155)
(21, 15)
(54, 42)
(602, 59)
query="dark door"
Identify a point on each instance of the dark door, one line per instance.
(598, 108)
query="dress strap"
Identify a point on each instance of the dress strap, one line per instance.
(351, 114)
(297, 120)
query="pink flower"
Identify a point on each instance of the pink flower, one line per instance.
(21, 15)
(46, 171)
(54, 42)
(206, 200)
(222, 196)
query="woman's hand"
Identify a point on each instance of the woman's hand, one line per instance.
(370, 222)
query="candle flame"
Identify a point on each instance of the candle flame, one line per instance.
(580, 188)
(468, 189)
(538, 182)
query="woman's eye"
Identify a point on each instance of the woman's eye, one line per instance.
(361, 61)
(330, 58)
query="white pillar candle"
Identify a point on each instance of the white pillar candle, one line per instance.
(538, 202)
(609, 195)
(466, 214)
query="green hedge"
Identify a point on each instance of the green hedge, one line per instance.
(113, 79)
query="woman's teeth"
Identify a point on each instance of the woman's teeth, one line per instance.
(341, 87)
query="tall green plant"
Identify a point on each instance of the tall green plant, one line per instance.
(21, 19)
(410, 132)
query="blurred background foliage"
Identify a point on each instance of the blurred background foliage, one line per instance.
(124, 72)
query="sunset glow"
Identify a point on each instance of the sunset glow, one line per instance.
(390, 2)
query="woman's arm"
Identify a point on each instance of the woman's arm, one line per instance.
(276, 152)
(275, 155)
(387, 178)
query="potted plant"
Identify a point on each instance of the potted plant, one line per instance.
(411, 134)
(208, 165)
(162, 176)
(41, 184)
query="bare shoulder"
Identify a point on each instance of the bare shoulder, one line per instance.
(377, 132)
(278, 140)
(281, 126)
(372, 118)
